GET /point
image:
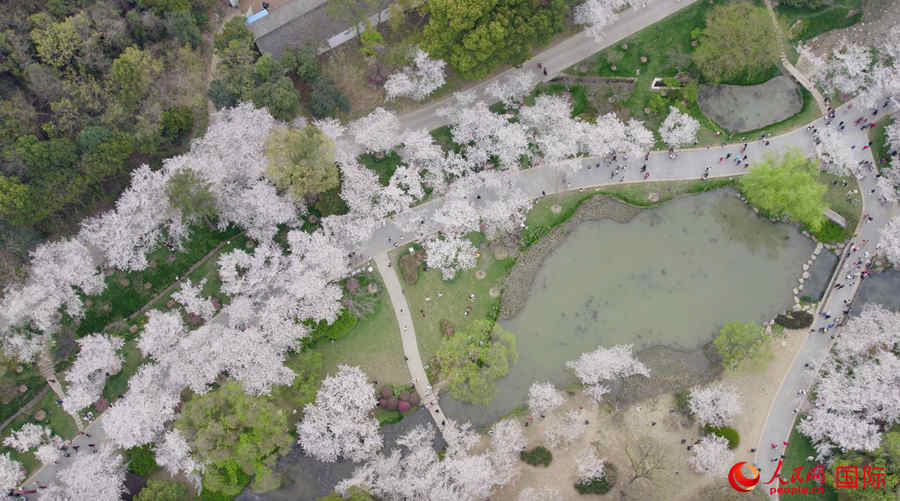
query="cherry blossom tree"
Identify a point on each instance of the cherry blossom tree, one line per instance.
(338, 424)
(590, 466)
(161, 333)
(892, 133)
(138, 224)
(712, 456)
(554, 130)
(565, 429)
(450, 254)
(507, 441)
(604, 365)
(174, 454)
(834, 151)
(678, 128)
(858, 392)
(190, 296)
(543, 397)
(417, 81)
(421, 474)
(715, 405)
(513, 88)
(141, 414)
(99, 476)
(12, 473)
(539, 494)
(377, 131)
(28, 437)
(597, 14)
(97, 359)
(890, 241)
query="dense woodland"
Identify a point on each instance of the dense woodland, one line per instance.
(90, 89)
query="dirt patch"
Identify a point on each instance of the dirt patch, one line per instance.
(749, 107)
(409, 265)
(521, 277)
(656, 422)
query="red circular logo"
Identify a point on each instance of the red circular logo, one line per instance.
(741, 483)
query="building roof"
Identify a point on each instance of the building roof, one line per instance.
(299, 22)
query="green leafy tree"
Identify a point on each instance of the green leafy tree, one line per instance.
(176, 123)
(57, 43)
(43, 157)
(235, 75)
(235, 29)
(352, 11)
(886, 457)
(301, 161)
(280, 97)
(108, 158)
(309, 372)
(301, 61)
(476, 36)
(787, 186)
(738, 41)
(132, 75)
(191, 194)
(141, 460)
(237, 435)
(182, 26)
(743, 346)
(163, 490)
(371, 40)
(15, 199)
(326, 100)
(473, 359)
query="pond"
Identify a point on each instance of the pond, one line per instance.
(671, 277)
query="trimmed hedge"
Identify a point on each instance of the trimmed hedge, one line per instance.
(141, 460)
(682, 399)
(726, 432)
(537, 456)
(794, 319)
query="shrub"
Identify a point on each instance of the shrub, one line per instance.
(141, 460)
(91, 136)
(384, 416)
(726, 432)
(794, 319)
(325, 99)
(537, 456)
(162, 490)
(682, 402)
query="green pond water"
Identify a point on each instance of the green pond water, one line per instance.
(672, 276)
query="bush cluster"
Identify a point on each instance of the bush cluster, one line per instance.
(794, 319)
(537, 456)
(726, 432)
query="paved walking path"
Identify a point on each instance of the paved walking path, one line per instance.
(560, 56)
(408, 336)
(45, 366)
(781, 417)
(46, 474)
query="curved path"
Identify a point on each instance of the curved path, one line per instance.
(408, 336)
(788, 402)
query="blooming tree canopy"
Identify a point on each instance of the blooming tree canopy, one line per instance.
(174, 454)
(606, 364)
(890, 241)
(99, 476)
(565, 429)
(97, 359)
(539, 494)
(715, 405)
(377, 131)
(597, 14)
(513, 88)
(543, 397)
(678, 128)
(141, 414)
(338, 424)
(859, 390)
(590, 466)
(191, 297)
(417, 81)
(712, 456)
(12, 473)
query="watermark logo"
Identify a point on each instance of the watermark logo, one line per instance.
(740, 482)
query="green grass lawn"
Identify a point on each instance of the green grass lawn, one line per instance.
(117, 384)
(798, 449)
(817, 21)
(126, 293)
(57, 420)
(836, 198)
(451, 306)
(10, 381)
(880, 147)
(373, 344)
(384, 166)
